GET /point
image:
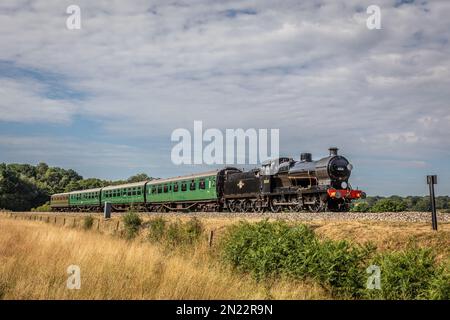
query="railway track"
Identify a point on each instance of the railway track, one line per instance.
(338, 216)
(424, 217)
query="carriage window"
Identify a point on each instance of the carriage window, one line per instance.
(139, 192)
(166, 189)
(192, 186)
(183, 187)
(175, 187)
(202, 184)
(134, 192)
(129, 192)
(153, 190)
(159, 189)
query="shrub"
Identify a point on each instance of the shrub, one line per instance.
(157, 228)
(340, 267)
(360, 207)
(262, 248)
(176, 233)
(388, 205)
(44, 208)
(193, 229)
(267, 249)
(88, 222)
(132, 222)
(411, 274)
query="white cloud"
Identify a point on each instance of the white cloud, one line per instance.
(310, 68)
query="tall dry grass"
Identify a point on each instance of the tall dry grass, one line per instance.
(34, 257)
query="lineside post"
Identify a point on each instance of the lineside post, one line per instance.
(432, 180)
(107, 210)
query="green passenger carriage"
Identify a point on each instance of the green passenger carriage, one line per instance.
(192, 192)
(125, 195)
(85, 199)
(183, 192)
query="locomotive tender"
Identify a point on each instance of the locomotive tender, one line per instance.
(278, 185)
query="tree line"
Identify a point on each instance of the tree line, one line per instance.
(24, 186)
(398, 204)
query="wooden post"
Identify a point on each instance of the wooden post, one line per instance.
(210, 238)
(64, 221)
(98, 224)
(117, 225)
(73, 224)
(55, 220)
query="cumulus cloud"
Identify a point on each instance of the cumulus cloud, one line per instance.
(310, 68)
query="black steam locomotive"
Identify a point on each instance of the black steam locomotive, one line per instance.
(285, 184)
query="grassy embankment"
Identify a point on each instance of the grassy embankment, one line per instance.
(34, 256)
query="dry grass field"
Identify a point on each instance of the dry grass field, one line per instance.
(34, 257)
(35, 254)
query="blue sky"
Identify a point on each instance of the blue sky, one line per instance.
(105, 99)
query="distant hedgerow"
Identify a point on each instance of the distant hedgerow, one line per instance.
(388, 205)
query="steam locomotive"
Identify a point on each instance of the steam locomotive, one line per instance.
(281, 184)
(285, 184)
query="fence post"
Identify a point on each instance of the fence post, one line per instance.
(55, 220)
(64, 221)
(98, 224)
(210, 238)
(117, 225)
(73, 224)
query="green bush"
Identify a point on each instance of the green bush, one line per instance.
(88, 222)
(44, 208)
(176, 233)
(389, 205)
(132, 222)
(340, 267)
(193, 229)
(411, 274)
(360, 207)
(267, 249)
(157, 229)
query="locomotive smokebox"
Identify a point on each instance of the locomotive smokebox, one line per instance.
(306, 157)
(333, 151)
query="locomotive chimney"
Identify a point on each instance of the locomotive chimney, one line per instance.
(306, 157)
(333, 151)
